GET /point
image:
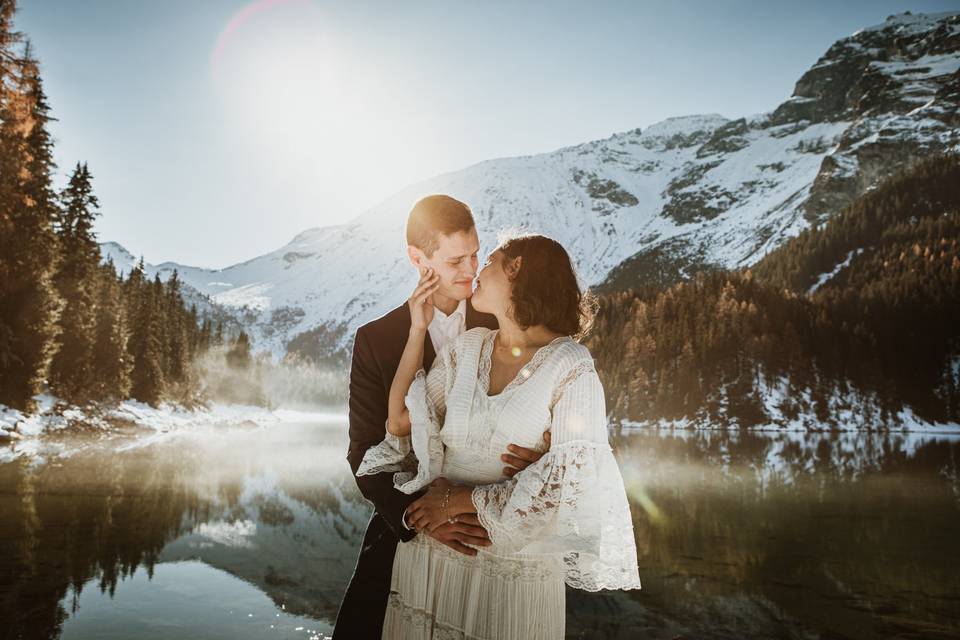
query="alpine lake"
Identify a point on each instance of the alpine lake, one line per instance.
(253, 532)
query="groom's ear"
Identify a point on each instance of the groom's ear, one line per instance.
(416, 257)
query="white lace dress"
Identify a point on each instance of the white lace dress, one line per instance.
(563, 520)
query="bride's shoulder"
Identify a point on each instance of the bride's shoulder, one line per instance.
(478, 331)
(569, 349)
(569, 355)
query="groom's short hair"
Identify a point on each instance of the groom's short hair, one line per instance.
(433, 216)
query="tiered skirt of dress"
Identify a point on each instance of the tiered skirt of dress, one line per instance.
(440, 594)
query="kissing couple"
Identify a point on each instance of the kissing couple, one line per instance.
(478, 430)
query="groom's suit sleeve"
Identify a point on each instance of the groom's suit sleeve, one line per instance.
(368, 417)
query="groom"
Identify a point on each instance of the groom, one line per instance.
(440, 234)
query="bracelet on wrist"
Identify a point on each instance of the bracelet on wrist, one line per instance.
(445, 504)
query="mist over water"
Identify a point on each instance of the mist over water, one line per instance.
(290, 383)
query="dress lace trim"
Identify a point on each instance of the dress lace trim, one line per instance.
(567, 502)
(393, 454)
(417, 459)
(486, 363)
(420, 623)
(577, 370)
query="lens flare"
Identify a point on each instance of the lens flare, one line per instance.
(639, 496)
(238, 20)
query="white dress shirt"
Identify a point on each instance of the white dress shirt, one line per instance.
(445, 327)
(442, 328)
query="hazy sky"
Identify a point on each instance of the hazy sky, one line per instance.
(216, 130)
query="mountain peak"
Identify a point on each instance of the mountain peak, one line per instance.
(910, 23)
(897, 66)
(684, 125)
(123, 260)
(313, 233)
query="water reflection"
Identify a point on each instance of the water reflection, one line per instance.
(796, 534)
(270, 506)
(185, 599)
(764, 534)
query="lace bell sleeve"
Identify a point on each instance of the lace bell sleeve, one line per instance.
(572, 501)
(416, 460)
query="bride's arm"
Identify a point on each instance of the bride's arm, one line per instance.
(421, 313)
(398, 416)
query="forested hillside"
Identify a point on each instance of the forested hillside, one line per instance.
(853, 322)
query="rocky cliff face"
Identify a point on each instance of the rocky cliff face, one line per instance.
(898, 85)
(642, 207)
(875, 102)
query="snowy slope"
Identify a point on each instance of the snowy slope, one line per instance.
(639, 206)
(602, 200)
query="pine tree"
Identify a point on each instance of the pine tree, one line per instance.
(113, 332)
(9, 360)
(177, 352)
(239, 355)
(193, 330)
(71, 371)
(29, 304)
(147, 377)
(132, 290)
(112, 361)
(204, 336)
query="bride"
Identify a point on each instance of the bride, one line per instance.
(564, 519)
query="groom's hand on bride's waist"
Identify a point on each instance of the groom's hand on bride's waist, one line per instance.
(457, 535)
(519, 458)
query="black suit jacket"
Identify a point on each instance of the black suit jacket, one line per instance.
(377, 348)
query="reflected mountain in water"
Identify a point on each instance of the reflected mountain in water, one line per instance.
(270, 507)
(299, 547)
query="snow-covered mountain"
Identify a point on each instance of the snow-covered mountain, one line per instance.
(641, 206)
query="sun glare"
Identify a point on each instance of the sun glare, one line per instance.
(318, 110)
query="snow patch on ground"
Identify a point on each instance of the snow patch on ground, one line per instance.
(53, 415)
(790, 409)
(922, 68)
(826, 277)
(252, 296)
(855, 441)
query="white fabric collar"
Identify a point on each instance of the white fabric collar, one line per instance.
(440, 317)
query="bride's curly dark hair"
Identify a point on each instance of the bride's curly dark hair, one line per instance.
(545, 289)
